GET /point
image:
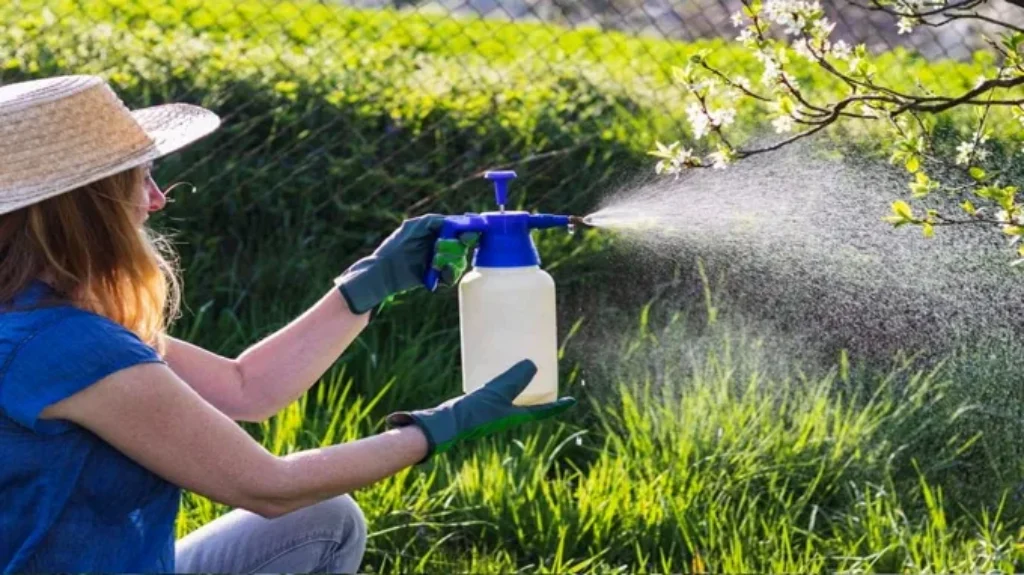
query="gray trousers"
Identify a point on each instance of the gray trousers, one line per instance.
(329, 536)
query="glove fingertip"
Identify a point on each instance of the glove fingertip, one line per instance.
(525, 369)
(521, 374)
(554, 408)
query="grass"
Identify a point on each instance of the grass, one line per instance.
(690, 453)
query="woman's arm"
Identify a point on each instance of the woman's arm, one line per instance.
(276, 371)
(165, 426)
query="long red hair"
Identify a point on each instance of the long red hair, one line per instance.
(89, 246)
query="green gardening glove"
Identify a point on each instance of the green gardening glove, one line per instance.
(451, 256)
(400, 264)
(481, 412)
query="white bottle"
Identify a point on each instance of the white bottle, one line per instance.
(506, 302)
(508, 314)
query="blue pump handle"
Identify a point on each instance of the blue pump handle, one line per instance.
(500, 179)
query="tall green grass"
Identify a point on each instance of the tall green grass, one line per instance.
(691, 452)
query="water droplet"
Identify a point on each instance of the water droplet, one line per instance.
(579, 440)
(572, 228)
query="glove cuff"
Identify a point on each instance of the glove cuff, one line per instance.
(360, 290)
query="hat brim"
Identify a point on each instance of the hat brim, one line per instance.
(174, 126)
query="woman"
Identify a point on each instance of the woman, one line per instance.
(104, 418)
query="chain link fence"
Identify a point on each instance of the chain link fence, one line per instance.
(436, 48)
(689, 20)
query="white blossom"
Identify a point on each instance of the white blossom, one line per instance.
(737, 19)
(698, 120)
(802, 47)
(722, 116)
(791, 14)
(770, 77)
(783, 124)
(842, 50)
(676, 164)
(747, 37)
(972, 147)
(963, 152)
(702, 122)
(720, 159)
(1010, 222)
(822, 27)
(905, 25)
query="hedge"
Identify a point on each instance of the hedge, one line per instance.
(339, 122)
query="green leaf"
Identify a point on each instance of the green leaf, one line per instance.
(682, 75)
(977, 173)
(922, 185)
(928, 229)
(902, 209)
(1013, 41)
(969, 207)
(912, 164)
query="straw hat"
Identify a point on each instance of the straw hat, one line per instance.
(57, 134)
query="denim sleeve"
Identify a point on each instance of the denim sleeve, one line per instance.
(63, 358)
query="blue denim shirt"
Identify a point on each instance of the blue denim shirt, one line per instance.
(68, 500)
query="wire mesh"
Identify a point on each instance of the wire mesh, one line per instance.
(440, 47)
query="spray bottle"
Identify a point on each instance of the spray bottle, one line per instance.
(506, 302)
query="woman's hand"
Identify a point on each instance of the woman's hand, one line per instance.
(483, 411)
(400, 263)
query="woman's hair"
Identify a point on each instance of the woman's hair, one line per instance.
(89, 245)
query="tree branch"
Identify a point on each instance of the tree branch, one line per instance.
(836, 111)
(972, 16)
(919, 104)
(946, 11)
(729, 82)
(857, 83)
(877, 6)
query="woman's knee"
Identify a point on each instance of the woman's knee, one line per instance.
(342, 512)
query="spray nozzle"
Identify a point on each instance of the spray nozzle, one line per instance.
(578, 221)
(500, 179)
